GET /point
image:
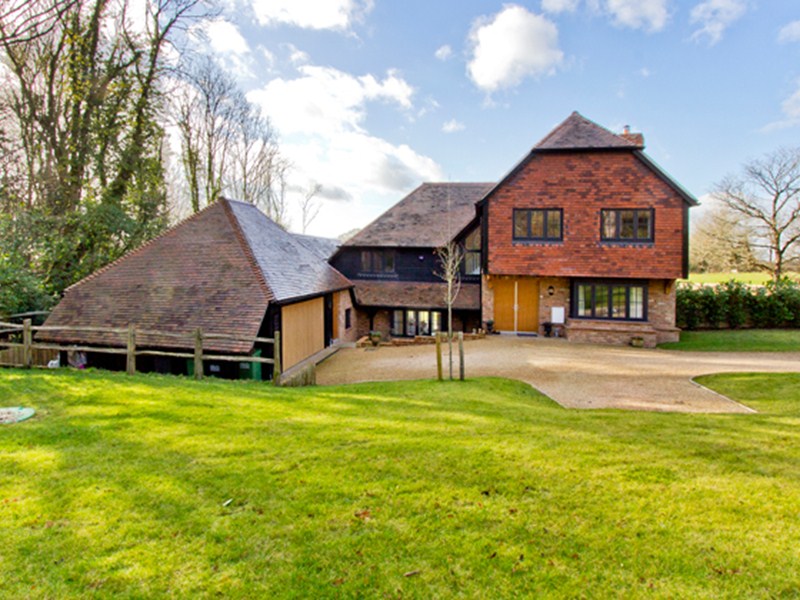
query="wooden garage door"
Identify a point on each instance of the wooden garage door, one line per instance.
(302, 330)
(516, 304)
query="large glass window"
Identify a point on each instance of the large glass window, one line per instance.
(472, 253)
(538, 224)
(626, 225)
(411, 322)
(398, 323)
(606, 300)
(377, 261)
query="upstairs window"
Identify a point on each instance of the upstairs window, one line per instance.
(538, 224)
(377, 261)
(472, 253)
(626, 225)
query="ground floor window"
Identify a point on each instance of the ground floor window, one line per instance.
(412, 322)
(622, 301)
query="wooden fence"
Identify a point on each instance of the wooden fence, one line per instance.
(23, 351)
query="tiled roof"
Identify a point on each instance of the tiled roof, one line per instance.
(322, 247)
(406, 294)
(420, 220)
(290, 269)
(209, 271)
(579, 133)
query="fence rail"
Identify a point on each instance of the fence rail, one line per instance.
(28, 353)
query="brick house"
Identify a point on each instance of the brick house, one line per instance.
(583, 238)
(588, 232)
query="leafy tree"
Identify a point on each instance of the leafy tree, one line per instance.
(766, 194)
(80, 131)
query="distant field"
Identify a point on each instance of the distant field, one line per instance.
(751, 278)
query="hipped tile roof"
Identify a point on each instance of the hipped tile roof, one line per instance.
(217, 270)
(407, 294)
(420, 220)
(577, 132)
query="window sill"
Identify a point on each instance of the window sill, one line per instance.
(628, 243)
(537, 242)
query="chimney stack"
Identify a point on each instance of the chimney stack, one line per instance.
(637, 139)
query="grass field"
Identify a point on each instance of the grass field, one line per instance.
(154, 486)
(757, 278)
(738, 340)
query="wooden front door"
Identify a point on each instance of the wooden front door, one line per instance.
(516, 304)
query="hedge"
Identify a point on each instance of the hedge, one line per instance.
(735, 305)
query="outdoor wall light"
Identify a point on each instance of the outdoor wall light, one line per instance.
(551, 290)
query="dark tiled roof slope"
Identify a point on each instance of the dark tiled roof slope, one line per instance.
(420, 220)
(322, 247)
(194, 275)
(290, 269)
(579, 133)
(405, 294)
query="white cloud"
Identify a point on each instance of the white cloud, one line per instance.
(453, 126)
(714, 17)
(559, 6)
(644, 72)
(321, 117)
(791, 106)
(791, 113)
(296, 56)
(444, 52)
(311, 14)
(510, 46)
(269, 57)
(224, 37)
(651, 15)
(790, 32)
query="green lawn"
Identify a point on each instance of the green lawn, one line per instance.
(154, 486)
(738, 340)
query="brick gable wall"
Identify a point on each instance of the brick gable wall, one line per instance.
(583, 183)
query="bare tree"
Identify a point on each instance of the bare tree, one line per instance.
(767, 195)
(721, 243)
(451, 255)
(310, 205)
(227, 145)
(206, 109)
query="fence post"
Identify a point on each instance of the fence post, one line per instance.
(276, 356)
(439, 355)
(461, 355)
(198, 353)
(27, 340)
(131, 356)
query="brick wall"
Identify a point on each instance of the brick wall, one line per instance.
(344, 302)
(583, 183)
(659, 328)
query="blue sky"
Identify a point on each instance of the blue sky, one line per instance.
(372, 97)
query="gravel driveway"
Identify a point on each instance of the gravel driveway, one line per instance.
(574, 375)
